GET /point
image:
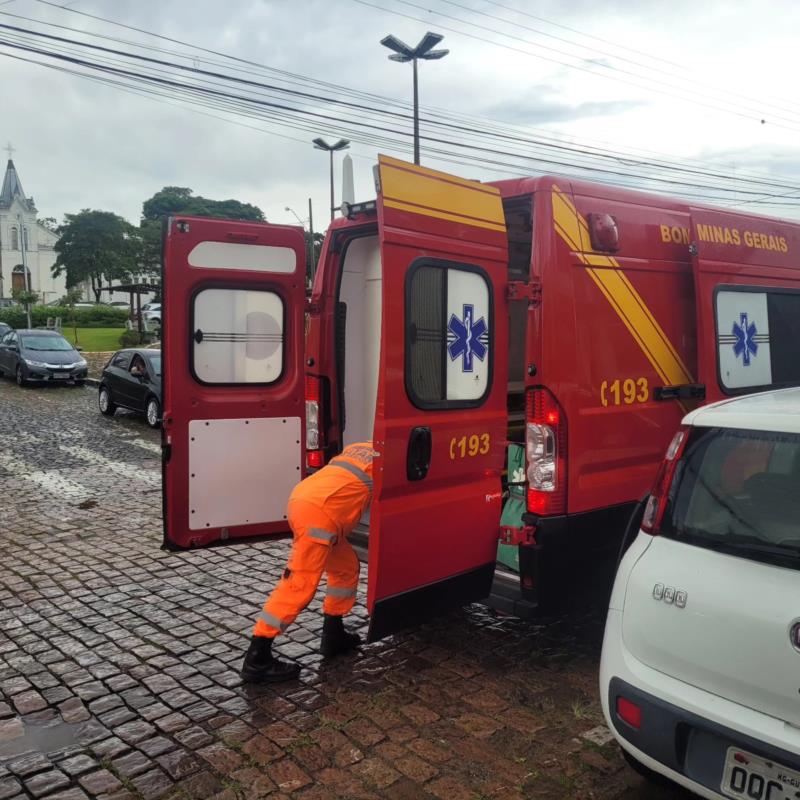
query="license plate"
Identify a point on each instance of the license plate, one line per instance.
(756, 778)
(60, 376)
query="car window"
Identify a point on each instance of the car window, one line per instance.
(121, 360)
(155, 364)
(33, 341)
(9, 338)
(737, 491)
(138, 366)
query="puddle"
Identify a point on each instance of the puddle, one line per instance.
(41, 737)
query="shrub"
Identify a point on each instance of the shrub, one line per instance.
(131, 338)
(98, 316)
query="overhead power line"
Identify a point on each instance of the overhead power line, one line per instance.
(368, 122)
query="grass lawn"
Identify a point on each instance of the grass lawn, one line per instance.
(94, 340)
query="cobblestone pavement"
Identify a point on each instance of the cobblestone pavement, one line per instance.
(118, 661)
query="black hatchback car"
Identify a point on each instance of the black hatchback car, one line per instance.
(40, 355)
(132, 379)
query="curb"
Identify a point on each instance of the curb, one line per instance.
(93, 381)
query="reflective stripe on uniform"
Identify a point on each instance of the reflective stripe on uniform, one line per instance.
(272, 621)
(354, 470)
(340, 591)
(321, 535)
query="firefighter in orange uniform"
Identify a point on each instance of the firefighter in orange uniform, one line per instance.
(323, 509)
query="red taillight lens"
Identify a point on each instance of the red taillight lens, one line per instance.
(546, 453)
(629, 712)
(657, 502)
(314, 441)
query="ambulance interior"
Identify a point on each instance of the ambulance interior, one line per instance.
(358, 322)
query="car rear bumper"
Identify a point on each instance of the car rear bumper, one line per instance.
(685, 732)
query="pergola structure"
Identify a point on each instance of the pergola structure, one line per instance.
(135, 290)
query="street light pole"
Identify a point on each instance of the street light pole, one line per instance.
(25, 271)
(321, 144)
(403, 54)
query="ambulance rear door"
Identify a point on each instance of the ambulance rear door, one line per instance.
(747, 286)
(440, 424)
(232, 355)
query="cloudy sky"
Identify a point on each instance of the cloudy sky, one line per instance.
(646, 82)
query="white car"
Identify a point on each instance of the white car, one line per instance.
(152, 313)
(700, 672)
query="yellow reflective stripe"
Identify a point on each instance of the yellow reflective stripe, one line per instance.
(321, 535)
(273, 621)
(338, 591)
(419, 190)
(353, 470)
(616, 287)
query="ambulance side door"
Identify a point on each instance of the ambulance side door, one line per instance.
(232, 369)
(747, 287)
(440, 424)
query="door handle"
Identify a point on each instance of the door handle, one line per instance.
(418, 459)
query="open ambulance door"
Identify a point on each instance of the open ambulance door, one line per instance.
(747, 289)
(232, 354)
(440, 423)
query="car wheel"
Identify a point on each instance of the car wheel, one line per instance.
(107, 405)
(21, 379)
(153, 413)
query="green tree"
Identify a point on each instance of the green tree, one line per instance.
(96, 246)
(182, 200)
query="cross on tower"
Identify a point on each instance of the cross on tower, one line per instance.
(9, 149)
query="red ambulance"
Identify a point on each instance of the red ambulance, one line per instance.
(448, 318)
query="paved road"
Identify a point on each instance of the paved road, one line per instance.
(118, 661)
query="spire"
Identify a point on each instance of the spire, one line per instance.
(12, 188)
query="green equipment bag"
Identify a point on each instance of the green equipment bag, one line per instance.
(515, 505)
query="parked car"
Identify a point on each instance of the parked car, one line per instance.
(40, 355)
(4, 329)
(152, 313)
(701, 657)
(132, 379)
(7, 302)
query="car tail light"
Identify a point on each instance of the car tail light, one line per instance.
(657, 502)
(546, 453)
(629, 712)
(314, 442)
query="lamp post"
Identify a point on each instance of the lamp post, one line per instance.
(403, 53)
(321, 144)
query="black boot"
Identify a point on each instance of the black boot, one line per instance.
(260, 666)
(335, 639)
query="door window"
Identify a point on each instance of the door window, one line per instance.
(448, 335)
(237, 336)
(758, 338)
(121, 360)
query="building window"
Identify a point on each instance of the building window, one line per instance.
(14, 239)
(25, 243)
(449, 331)
(237, 336)
(758, 338)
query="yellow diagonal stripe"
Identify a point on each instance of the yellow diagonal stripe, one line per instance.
(420, 190)
(616, 287)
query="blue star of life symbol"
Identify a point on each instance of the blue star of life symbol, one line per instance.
(467, 337)
(745, 344)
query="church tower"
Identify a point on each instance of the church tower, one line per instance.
(25, 242)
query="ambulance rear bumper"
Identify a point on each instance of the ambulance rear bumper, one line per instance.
(574, 555)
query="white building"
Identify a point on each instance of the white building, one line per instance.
(20, 227)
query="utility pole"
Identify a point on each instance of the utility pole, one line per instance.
(22, 243)
(313, 246)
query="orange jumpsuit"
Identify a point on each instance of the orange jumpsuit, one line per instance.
(323, 509)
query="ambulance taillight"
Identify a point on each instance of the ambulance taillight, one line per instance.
(546, 453)
(314, 442)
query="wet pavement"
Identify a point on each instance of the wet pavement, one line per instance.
(118, 661)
